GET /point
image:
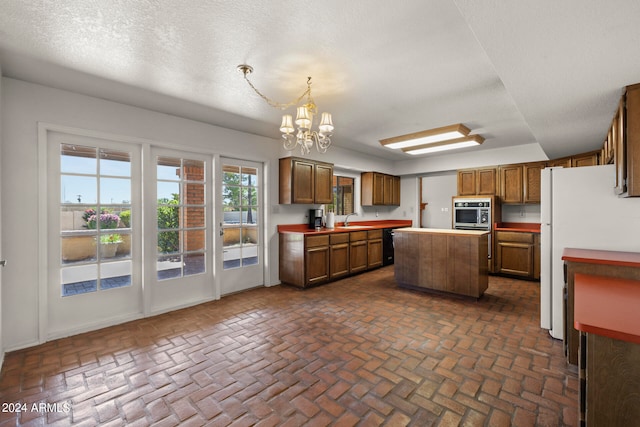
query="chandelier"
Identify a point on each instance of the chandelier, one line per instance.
(303, 138)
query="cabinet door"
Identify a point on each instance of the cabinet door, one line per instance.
(374, 253)
(323, 188)
(589, 159)
(317, 265)
(395, 199)
(565, 162)
(617, 142)
(515, 258)
(378, 189)
(339, 260)
(302, 186)
(487, 181)
(511, 183)
(632, 139)
(467, 182)
(358, 256)
(387, 191)
(532, 173)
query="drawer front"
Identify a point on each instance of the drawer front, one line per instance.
(314, 241)
(339, 238)
(358, 235)
(374, 234)
(514, 236)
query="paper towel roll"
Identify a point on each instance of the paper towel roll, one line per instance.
(331, 220)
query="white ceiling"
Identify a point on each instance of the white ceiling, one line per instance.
(548, 72)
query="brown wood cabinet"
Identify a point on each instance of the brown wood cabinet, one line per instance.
(511, 184)
(305, 181)
(374, 248)
(358, 251)
(316, 260)
(478, 182)
(379, 189)
(531, 179)
(586, 159)
(518, 254)
(339, 255)
(631, 139)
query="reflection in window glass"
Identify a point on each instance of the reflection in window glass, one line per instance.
(342, 195)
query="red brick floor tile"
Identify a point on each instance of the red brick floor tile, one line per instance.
(357, 352)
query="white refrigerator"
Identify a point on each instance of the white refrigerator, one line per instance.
(579, 209)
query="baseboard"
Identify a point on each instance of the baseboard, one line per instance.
(54, 335)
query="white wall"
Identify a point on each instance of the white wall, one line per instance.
(25, 104)
(437, 191)
(1, 251)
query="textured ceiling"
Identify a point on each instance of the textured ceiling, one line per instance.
(543, 72)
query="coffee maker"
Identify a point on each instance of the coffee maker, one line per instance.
(315, 219)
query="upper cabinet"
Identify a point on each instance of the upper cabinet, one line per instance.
(511, 184)
(305, 181)
(478, 182)
(379, 189)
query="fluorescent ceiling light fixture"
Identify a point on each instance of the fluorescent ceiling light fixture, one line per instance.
(453, 144)
(430, 136)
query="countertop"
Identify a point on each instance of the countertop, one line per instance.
(607, 306)
(443, 231)
(591, 256)
(339, 228)
(527, 227)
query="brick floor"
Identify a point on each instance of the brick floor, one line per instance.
(358, 352)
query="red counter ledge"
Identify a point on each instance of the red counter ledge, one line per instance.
(340, 228)
(591, 256)
(527, 227)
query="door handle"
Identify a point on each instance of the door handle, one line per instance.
(3, 262)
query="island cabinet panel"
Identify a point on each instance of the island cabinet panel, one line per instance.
(452, 261)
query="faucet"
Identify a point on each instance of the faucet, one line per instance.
(346, 220)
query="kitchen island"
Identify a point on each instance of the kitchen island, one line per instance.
(453, 261)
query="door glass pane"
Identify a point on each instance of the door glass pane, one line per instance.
(181, 207)
(95, 219)
(240, 200)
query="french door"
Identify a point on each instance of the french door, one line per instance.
(94, 223)
(240, 225)
(182, 261)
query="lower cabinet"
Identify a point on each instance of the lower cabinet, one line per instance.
(309, 260)
(374, 248)
(518, 254)
(359, 251)
(339, 255)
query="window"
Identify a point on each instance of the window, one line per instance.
(181, 206)
(95, 217)
(342, 195)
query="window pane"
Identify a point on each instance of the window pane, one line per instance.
(78, 189)
(169, 267)
(115, 275)
(115, 163)
(231, 215)
(231, 195)
(250, 235)
(194, 264)
(168, 191)
(193, 217)
(194, 240)
(231, 176)
(79, 279)
(78, 248)
(231, 236)
(168, 217)
(115, 190)
(249, 255)
(194, 194)
(194, 170)
(77, 159)
(169, 242)
(250, 196)
(168, 168)
(249, 216)
(250, 177)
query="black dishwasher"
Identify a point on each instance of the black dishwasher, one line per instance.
(387, 246)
